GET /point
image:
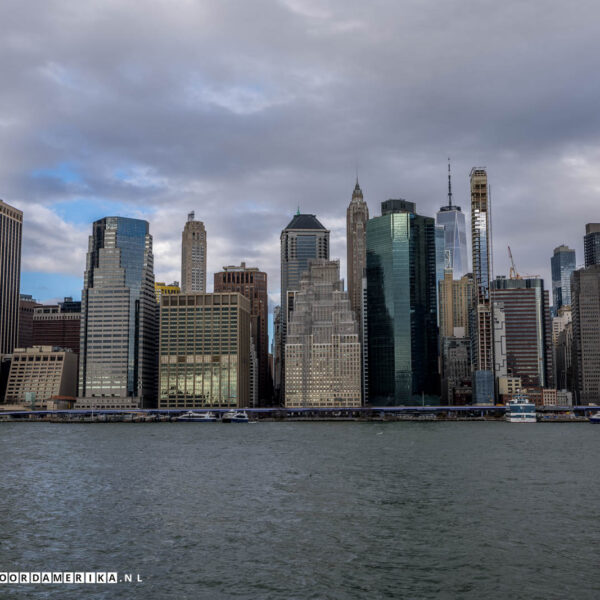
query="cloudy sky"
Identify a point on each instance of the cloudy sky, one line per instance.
(244, 110)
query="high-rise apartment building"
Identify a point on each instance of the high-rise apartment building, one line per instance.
(322, 350)
(11, 225)
(481, 332)
(204, 351)
(118, 356)
(452, 219)
(455, 301)
(401, 301)
(252, 284)
(586, 333)
(357, 216)
(527, 329)
(302, 240)
(562, 265)
(591, 244)
(193, 256)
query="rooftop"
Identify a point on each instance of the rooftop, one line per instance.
(301, 221)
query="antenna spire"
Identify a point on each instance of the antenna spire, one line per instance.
(449, 184)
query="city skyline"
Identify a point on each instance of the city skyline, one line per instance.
(154, 126)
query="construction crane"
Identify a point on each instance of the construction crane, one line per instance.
(513, 273)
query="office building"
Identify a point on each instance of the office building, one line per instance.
(43, 371)
(452, 219)
(562, 343)
(357, 216)
(456, 370)
(204, 351)
(193, 256)
(402, 311)
(118, 356)
(585, 290)
(481, 319)
(252, 284)
(455, 300)
(302, 240)
(162, 289)
(562, 265)
(591, 244)
(528, 330)
(27, 305)
(58, 325)
(11, 225)
(322, 350)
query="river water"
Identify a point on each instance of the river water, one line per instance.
(303, 510)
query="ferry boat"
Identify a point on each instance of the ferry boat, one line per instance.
(595, 418)
(235, 416)
(196, 417)
(520, 410)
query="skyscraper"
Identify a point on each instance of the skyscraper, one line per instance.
(302, 240)
(357, 216)
(322, 351)
(562, 264)
(586, 333)
(11, 225)
(118, 360)
(481, 332)
(591, 244)
(204, 351)
(401, 301)
(252, 283)
(452, 219)
(527, 330)
(193, 256)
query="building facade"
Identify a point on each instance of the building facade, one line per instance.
(43, 371)
(455, 300)
(591, 244)
(585, 289)
(193, 256)
(303, 239)
(58, 325)
(118, 338)
(401, 303)
(452, 219)
(357, 215)
(322, 350)
(162, 289)
(204, 351)
(562, 265)
(11, 226)
(481, 320)
(27, 306)
(528, 330)
(252, 284)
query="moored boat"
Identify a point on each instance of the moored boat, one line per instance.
(520, 410)
(235, 416)
(595, 418)
(197, 417)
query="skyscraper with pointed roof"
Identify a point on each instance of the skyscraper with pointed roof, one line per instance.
(357, 216)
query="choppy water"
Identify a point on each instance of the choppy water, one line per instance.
(304, 510)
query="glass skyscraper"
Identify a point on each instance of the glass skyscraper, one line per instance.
(591, 244)
(118, 361)
(563, 264)
(401, 306)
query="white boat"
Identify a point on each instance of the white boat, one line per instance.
(520, 410)
(196, 417)
(595, 418)
(235, 416)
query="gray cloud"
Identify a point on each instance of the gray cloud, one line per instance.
(242, 111)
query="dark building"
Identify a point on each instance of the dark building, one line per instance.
(562, 264)
(11, 225)
(252, 283)
(591, 244)
(585, 288)
(401, 307)
(27, 306)
(528, 330)
(58, 325)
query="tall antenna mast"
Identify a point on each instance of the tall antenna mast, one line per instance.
(449, 184)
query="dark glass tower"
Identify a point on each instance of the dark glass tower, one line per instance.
(401, 307)
(119, 315)
(562, 264)
(591, 244)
